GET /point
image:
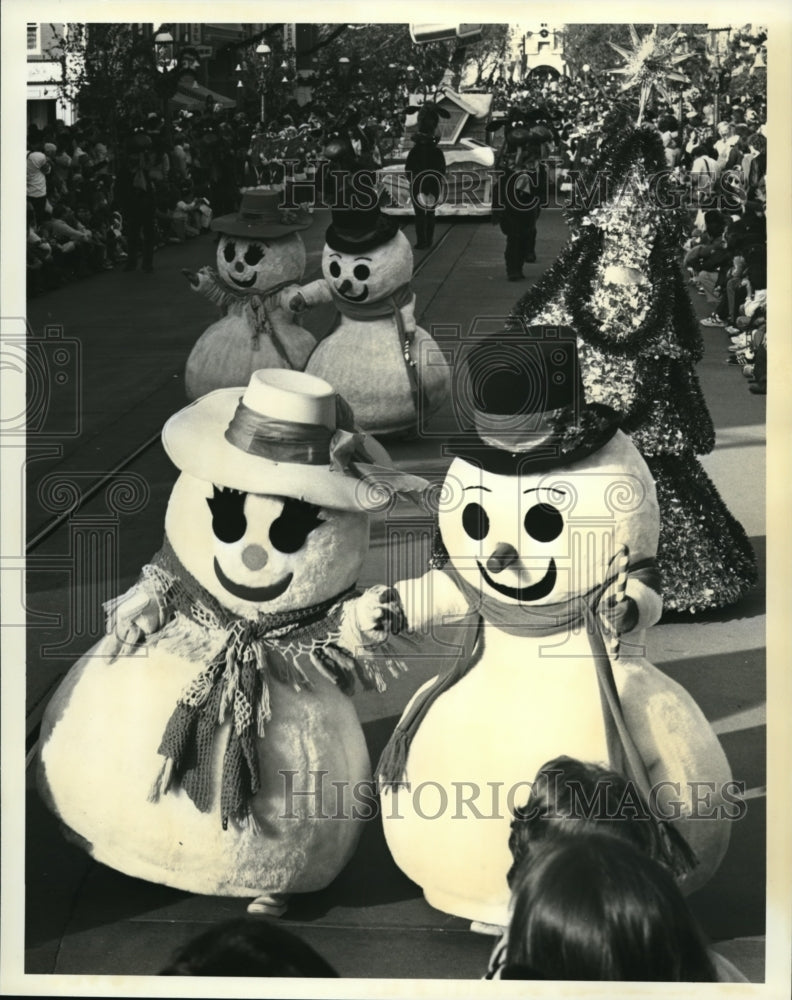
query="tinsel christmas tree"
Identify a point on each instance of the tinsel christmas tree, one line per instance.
(618, 284)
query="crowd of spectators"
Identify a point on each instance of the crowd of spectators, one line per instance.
(82, 195)
(717, 159)
(90, 196)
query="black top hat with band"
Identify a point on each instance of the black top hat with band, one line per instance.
(263, 214)
(521, 403)
(358, 222)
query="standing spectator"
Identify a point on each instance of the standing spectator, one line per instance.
(703, 173)
(754, 166)
(723, 146)
(38, 167)
(137, 197)
(520, 184)
(425, 169)
(62, 161)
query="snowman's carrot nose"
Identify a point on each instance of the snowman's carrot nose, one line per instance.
(346, 284)
(504, 556)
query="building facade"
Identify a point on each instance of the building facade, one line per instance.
(45, 102)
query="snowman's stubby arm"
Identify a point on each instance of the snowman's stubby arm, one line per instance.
(649, 603)
(299, 297)
(433, 597)
(208, 282)
(408, 315)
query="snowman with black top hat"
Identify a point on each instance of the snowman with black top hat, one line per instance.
(207, 740)
(390, 369)
(542, 587)
(260, 254)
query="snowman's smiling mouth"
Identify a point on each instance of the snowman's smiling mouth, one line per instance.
(255, 594)
(355, 298)
(532, 593)
(243, 284)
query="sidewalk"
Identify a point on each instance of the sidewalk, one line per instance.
(85, 919)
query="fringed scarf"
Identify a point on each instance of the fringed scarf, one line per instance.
(259, 305)
(236, 682)
(388, 308)
(579, 611)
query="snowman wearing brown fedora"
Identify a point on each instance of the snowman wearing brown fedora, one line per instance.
(391, 371)
(259, 255)
(207, 740)
(541, 591)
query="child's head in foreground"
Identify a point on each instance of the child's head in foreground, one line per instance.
(592, 906)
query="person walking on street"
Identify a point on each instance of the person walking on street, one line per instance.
(520, 182)
(425, 169)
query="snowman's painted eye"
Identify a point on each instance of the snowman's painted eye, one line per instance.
(475, 521)
(543, 522)
(229, 251)
(296, 521)
(361, 272)
(253, 254)
(335, 268)
(228, 517)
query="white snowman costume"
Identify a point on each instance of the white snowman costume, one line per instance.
(260, 254)
(181, 747)
(390, 370)
(539, 509)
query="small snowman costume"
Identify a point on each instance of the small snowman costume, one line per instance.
(389, 369)
(549, 529)
(260, 253)
(205, 741)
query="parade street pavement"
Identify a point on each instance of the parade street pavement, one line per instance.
(97, 485)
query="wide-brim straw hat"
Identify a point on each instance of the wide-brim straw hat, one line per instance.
(286, 434)
(264, 213)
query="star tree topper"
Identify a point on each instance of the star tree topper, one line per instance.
(649, 65)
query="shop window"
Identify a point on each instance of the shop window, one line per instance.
(34, 39)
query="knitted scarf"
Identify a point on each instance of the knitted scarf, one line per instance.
(259, 305)
(389, 307)
(235, 684)
(579, 610)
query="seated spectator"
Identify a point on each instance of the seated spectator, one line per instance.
(595, 907)
(68, 243)
(248, 947)
(39, 257)
(186, 214)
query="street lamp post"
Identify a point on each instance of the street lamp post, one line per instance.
(263, 50)
(164, 48)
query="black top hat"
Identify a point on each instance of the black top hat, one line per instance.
(262, 214)
(520, 397)
(358, 222)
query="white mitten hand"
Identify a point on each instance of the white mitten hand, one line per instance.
(371, 618)
(294, 299)
(620, 616)
(130, 618)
